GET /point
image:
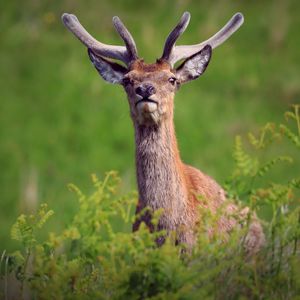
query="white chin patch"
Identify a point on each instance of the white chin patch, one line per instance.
(147, 113)
(146, 107)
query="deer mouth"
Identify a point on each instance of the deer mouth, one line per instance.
(147, 111)
(145, 100)
(146, 106)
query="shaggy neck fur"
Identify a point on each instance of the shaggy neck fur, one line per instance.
(160, 179)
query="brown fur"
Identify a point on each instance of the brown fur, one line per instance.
(140, 66)
(164, 181)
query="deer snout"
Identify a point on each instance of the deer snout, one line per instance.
(145, 90)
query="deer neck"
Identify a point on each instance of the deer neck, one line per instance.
(159, 168)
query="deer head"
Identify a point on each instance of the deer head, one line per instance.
(151, 87)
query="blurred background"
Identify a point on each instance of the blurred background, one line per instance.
(60, 122)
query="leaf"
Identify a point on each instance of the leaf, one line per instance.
(245, 164)
(16, 232)
(295, 139)
(268, 166)
(73, 188)
(289, 115)
(44, 219)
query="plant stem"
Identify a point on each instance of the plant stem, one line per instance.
(28, 251)
(5, 276)
(296, 238)
(297, 117)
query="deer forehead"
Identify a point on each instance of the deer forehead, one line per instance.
(156, 76)
(157, 72)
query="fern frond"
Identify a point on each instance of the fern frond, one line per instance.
(266, 136)
(268, 166)
(245, 164)
(294, 115)
(255, 142)
(16, 232)
(73, 188)
(295, 139)
(295, 183)
(43, 218)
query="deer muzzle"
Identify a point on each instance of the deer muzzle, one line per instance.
(146, 105)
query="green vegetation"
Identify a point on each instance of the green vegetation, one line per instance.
(60, 122)
(97, 257)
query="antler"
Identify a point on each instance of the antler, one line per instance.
(173, 53)
(126, 54)
(174, 35)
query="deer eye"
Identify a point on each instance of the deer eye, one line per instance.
(172, 80)
(127, 81)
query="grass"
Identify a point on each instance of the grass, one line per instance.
(61, 122)
(96, 256)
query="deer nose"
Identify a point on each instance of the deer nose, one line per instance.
(145, 90)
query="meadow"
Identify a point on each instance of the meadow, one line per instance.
(60, 122)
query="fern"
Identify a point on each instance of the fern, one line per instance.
(97, 256)
(267, 135)
(23, 230)
(262, 170)
(43, 215)
(246, 165)
(290, 135)
(295, 115)
(286, 131)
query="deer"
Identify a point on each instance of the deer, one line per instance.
(164, 182)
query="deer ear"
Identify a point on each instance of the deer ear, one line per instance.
(109, 71)
(194, 66)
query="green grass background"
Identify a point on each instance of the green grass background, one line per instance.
(59, 122)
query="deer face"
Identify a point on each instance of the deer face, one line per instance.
(151, 87)
(150, 90)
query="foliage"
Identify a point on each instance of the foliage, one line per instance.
(59, 120)
(96, 257)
